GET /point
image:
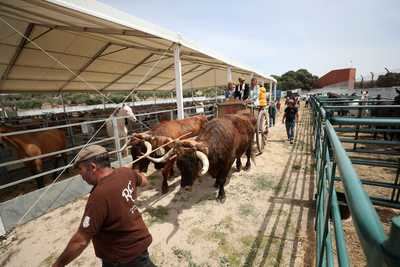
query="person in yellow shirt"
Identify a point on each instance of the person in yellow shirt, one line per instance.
(262, 97)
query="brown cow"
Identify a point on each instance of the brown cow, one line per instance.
(214, 150)
(245, 123)
(35, 144)
(161, 134)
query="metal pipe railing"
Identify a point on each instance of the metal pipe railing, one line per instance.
(116, 139)
(380, 250)
(365, 219)
(98, 121)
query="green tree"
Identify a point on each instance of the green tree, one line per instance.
(301, 78)
(388, 80)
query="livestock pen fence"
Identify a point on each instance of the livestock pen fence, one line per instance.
(335, 169)
(11, 211)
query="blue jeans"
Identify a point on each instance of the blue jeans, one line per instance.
(290, 129)
(140, 261)
(271, 120)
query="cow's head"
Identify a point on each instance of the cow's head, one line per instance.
(140, 146)
(192, 161)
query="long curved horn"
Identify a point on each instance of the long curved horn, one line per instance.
(204, 161)
(163, 158)
(148, 147)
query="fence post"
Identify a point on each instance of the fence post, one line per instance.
(116, 140)
(392, 244)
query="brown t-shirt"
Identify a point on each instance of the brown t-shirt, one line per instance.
(112, 219)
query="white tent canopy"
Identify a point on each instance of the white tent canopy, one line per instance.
(108, 49)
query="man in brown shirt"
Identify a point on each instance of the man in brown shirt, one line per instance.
(111, 219)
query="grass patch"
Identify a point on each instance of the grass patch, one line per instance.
(262, 184)
(153, 179)
(49, 260)
(245, 210)
(194, 235)
(157, 214)
(186, 255)
(231, 257)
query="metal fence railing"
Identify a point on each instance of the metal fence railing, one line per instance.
(114, 141)
(332, 159)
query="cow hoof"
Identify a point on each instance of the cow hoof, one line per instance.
(221, 199)
(164, 190)
(247, 168)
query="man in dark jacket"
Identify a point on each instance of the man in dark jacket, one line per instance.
(242, 90)
(289, 118)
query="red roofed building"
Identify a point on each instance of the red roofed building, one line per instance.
(338, 78)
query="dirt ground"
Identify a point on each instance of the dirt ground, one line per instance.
(266, 220)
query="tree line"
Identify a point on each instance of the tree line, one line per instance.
(301, 78)
(388, 79)
(38, 100)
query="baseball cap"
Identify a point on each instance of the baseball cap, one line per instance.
(89, 152)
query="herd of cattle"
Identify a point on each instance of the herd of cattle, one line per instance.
(206, 146)
(196, 145)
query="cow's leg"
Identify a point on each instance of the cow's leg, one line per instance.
(171, 172)
(37, 167)
(248, 155)
(166, 171)
(220, 180)
(238, 164)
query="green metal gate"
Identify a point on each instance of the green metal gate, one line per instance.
(331, 157)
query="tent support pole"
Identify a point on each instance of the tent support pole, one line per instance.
(178, 81)
(270, 91)
(70, 131)
(275, 91)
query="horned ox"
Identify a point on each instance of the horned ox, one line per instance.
(215, 149)
(161, 134)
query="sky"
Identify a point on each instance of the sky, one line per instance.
(277, 36)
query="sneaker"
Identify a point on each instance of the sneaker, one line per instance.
(291, 141)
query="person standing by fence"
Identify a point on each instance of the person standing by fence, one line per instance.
(290, 117)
